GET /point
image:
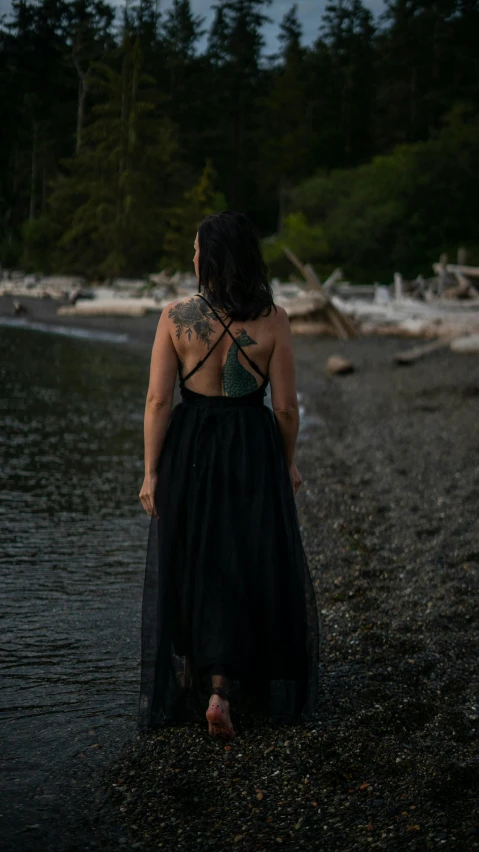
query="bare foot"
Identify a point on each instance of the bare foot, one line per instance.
(218, 717)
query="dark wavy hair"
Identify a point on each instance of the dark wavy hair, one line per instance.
(232, 272)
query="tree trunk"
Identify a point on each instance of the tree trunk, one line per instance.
(124, 115)
(33, 176)
(82, 89)
(44, 182)
(82, 93)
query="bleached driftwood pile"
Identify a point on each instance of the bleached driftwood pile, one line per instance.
(17, 284)
(409, 317)
(445, 306)
(123, 296)
(115, 305)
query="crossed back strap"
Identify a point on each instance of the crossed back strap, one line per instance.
(226, 330)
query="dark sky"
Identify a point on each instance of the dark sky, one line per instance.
(309, 13)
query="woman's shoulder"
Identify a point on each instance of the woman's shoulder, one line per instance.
(189, 316)
(279, 313)
(182, 304)
(186, 312)
(277, 318)
(185, 309)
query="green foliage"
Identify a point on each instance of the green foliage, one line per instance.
(306, 240)
(38, 239)
(398, 211)
(183, 220)
(10, 250)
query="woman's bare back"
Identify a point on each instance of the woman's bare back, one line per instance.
(199, 335)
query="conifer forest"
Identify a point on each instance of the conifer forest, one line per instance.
(119, 135)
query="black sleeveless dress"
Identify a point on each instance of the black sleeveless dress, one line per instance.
(227, 586)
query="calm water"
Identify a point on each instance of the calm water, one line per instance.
(73, 539)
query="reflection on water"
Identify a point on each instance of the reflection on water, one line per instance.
(73, 538)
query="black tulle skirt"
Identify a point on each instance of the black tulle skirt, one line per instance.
(227, 586)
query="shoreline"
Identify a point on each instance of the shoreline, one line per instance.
(140, 331)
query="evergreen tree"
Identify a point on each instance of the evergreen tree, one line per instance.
(348, 32)
(143, 18)
(112, 204)
(417, 65)
(88, 36)
(183, 220)
(264, 123)
(218, 36)
(183, 75)
(284, 127)
(240, 22)
(32, 55)
(290, 34)
(182, 30)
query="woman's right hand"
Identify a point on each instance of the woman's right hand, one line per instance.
(295, 477)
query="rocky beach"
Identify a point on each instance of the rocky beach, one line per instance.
(326, 153)
(389, 514)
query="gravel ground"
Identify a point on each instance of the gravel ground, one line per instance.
(388, 509)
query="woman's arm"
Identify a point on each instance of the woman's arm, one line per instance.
(284, 400)
(163, 369)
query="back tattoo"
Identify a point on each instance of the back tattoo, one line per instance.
(196, 316)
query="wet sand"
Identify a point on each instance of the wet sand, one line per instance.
(388, 511)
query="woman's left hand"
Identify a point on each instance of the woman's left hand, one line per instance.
(147, 494)
(295, 477)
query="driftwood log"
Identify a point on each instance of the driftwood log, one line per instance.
(342, 325)
(456, 280)
(417, 352)
(468, 345)
(332, 280)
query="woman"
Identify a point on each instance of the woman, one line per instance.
(229, 610)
